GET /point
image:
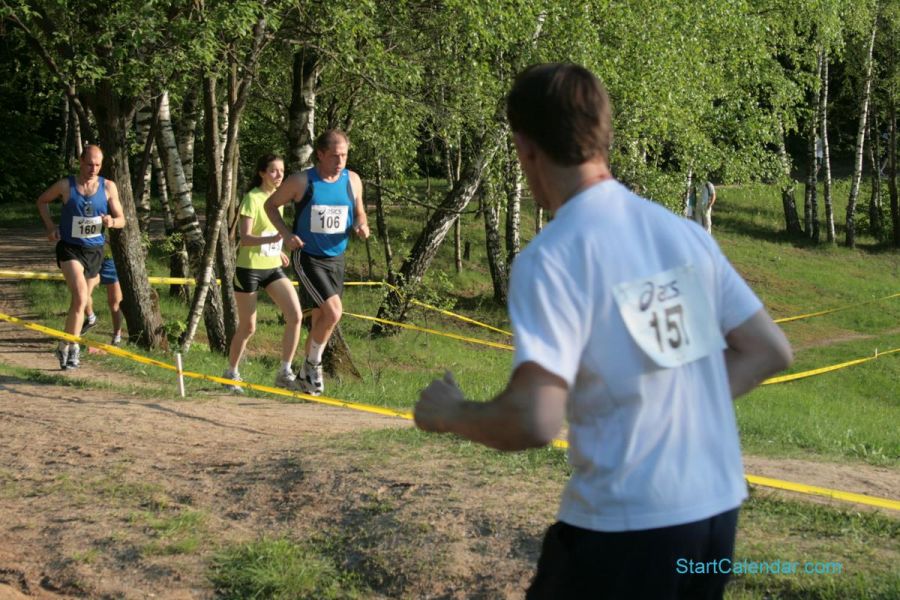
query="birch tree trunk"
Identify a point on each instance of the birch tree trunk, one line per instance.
(186, 132)
(178, 258)
(143, 125)
(811, 204)
(396, 304)
(538, 219)
(850, 239)
(876, 224)
(301, 114)
(187, 224)
(826, 159)
(496, 262)
(219, 192)
(513, 188)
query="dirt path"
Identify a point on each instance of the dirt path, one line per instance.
(85, 475)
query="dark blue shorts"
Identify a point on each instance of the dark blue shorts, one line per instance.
(108, 273)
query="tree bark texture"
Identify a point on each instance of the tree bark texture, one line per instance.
(876, 222)
(185, 133)
(791, 218)
(496, 262)
(429, 241)
(892, 175)
(146, 123)
(811, 204)
(301, 114)
(826, 158)
(850, 238)
(512, 183)
(140, 303)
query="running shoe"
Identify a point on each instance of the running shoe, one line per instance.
(74, 357)
(116, 340)
(312, 379)
(62, 355)
(288, 381)
(89, 322)
(230, 387)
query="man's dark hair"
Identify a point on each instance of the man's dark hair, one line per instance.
(329, 138)
(564, 109)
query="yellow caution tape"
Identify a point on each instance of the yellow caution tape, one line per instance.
(5, 274)
(819, 371)
(800, 487)
(562, 444)
(433, 332)
(834, 310)
(156, 363)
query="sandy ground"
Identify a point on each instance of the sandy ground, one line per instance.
(81, 469)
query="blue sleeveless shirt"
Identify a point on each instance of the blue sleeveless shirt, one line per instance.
(324, 215)
(80, 223)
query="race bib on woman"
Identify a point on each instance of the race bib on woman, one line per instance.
(270, 249)
(87, 227)
(328, 219)
(669, 317)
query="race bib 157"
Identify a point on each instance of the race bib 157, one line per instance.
(669, 317)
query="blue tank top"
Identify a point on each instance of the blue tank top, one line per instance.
(80, 223)
(325, 214)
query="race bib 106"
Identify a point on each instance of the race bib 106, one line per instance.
(270, 249)
(87, 227)
(328, 219)
(669, 317)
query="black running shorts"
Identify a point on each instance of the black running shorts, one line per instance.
(247, 281)
(90, 257)
(321, 276)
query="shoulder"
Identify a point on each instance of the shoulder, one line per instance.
(355, 179)
(111, 185)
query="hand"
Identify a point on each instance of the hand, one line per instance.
(438, 404)
(294, 242)
(362, 231)
(108, 221)
(53, 234)
(285, 261)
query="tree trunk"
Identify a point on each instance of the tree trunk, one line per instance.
(826, 158)
(301, 114)
(140, 303)
(147, 122)
(496, 262)
(75, 143)
(187, 223)
(513, 187)
(688, 190)
(416, 264)
(382, 225)
(811, 204)
(876, 223)
(220, 192)
(186, 132)
(791, 218)
(850, 240)
(892, 175)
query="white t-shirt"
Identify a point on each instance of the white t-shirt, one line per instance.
(651, 446)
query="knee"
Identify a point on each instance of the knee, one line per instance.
(246, 328)
(332, 313)
(292, 317)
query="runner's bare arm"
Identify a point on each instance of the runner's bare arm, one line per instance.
(756, 349)
(290, 190)
(527, 414)
(360, 219)
(247, 237)
(60, 189)
(116, 217)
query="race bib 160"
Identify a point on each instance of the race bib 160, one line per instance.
(87, 227)
(669, 317)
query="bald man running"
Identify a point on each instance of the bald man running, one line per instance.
(90, 203)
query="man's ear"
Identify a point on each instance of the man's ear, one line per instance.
(525, 147)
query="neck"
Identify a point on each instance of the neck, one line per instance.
(565, 182)
(267, 188)
(85, 180)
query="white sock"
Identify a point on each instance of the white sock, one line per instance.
(286, 366)
(64, 346)
(316, 350)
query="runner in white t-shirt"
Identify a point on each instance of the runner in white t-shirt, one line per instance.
(631, 324)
